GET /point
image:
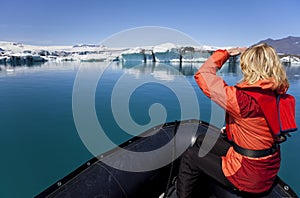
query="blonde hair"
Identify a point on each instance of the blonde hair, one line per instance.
(261, 62)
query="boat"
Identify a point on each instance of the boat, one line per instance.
(96, 178)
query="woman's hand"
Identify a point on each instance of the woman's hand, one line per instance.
(236, 51)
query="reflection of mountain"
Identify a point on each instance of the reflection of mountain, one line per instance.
(162, 70)
(293, 72)
(232, 67)
(188, 69)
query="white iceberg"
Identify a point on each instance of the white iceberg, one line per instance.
(290, 60)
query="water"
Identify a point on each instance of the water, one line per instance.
(40, 144)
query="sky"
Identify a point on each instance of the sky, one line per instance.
(215, 23)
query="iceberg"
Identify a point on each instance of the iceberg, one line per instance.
(99, 57)
(166, 52)
(138, 54)
(19, 54)
(194, 54)
(21, 58)
(290, 60)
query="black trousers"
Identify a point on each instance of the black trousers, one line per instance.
(194, 170)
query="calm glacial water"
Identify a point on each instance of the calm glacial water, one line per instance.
(39, 141)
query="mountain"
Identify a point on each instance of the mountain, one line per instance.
(288, 45)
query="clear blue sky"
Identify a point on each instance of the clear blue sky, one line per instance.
(217, 22)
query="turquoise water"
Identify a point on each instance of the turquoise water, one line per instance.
(39, 141)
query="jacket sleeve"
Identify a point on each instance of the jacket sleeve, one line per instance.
(214, 86)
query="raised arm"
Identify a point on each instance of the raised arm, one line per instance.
(214, 86)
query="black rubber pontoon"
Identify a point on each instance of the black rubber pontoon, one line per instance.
(97, 179)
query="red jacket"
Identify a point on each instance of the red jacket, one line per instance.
(246, 126)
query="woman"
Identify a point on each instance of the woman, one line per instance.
(250, 161)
